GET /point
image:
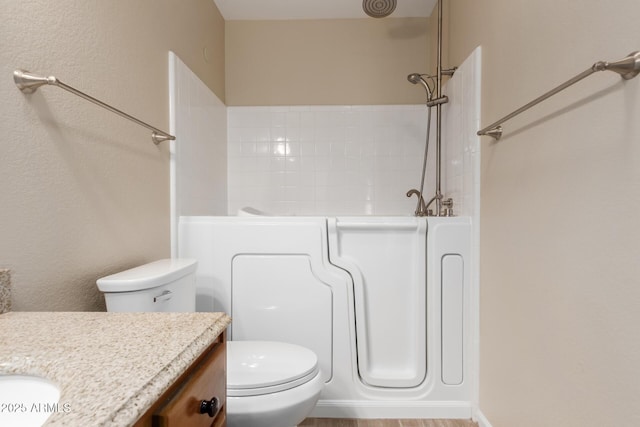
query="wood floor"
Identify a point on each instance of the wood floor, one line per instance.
(339, 422)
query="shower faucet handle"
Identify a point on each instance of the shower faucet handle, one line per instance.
(447, 205)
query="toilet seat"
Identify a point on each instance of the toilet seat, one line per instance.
(256, 368)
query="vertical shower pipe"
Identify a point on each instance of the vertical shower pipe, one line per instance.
(439, 112)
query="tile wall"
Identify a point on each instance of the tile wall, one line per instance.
(199, 154)
(461, 144)
(325, 160)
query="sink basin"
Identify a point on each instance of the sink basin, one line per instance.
(27, 401)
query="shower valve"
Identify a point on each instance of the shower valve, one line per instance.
(447, 207)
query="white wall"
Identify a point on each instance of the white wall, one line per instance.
(200, 149)
(199, 153)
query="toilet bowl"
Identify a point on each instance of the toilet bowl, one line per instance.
(269, 384)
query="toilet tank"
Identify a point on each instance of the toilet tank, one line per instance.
(167, 285)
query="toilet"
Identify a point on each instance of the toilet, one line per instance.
(269, 384)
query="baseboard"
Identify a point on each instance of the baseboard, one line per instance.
(392, 409)
(482, 421)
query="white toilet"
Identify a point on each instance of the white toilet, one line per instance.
(269, 384)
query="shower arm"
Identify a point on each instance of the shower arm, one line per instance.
(628, 68)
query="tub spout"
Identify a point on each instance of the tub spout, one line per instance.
(421, 210)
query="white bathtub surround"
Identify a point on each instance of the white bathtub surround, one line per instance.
(461, 145)
(199, 153)
(349, 160)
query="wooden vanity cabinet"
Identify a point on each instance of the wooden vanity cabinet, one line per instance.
(181, 405)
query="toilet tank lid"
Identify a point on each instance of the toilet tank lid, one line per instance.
(147, 276)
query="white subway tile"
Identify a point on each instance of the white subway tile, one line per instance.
(248, 149)
(263, 148)
(349, 160)
(292, 163)
(277, 164)
(307, 149)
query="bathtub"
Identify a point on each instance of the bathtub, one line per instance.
(382, 301)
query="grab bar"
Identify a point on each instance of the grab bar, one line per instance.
(628, 68)
(28, 83)
(381, 223)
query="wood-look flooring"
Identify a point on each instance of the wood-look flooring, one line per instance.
(341, 422)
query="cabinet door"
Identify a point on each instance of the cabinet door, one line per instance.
(207, 382)
(220, 421)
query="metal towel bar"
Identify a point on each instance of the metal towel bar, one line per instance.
(28, 83)
(628, 68)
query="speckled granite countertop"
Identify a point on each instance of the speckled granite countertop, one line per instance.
(110, 367)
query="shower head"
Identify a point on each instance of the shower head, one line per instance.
(378, 8)
(417, 78)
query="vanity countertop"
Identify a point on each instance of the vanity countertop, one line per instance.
(110, 367)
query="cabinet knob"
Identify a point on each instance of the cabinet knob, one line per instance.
(211, 407)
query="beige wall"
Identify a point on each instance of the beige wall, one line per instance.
(85, 192)
(560, 258)
(325, 62)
